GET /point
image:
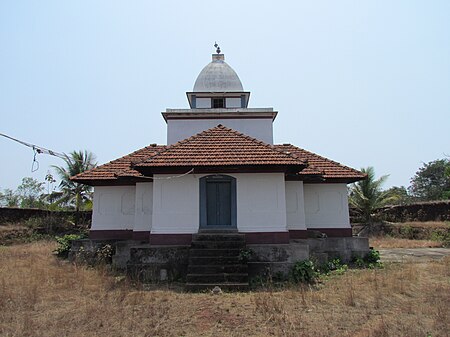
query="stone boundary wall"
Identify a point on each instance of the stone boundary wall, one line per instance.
(15, 215)
(419, 211)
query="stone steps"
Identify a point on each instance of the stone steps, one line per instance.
(222, 286)
(214, 261)
(215, 244)
(213, 269)
(217, 278)
(196, 252)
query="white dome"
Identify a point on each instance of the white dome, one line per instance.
(218, 76)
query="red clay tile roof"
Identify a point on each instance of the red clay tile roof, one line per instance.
(328, 168)
(120, 167)
(220, 146)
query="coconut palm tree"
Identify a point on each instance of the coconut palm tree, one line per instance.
(73, 193)
(366, 195)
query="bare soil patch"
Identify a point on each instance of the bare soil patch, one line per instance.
(41, 295)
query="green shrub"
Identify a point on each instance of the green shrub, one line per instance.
(335, 265)
(303, 272)
(104, 254)
(441, 235)
(371, 260)
(359, 262)
(64, 243)
(407, 232)
(245, 255)
(373, 256)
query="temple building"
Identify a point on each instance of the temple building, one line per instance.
(221, 172)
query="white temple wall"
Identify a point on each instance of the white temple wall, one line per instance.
(295, 206)
(326, 206)
(258, 128)
(114, 207)
(175, 204)
(143, 207)
(261, 202)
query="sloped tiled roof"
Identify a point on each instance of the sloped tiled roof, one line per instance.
(328, 168)
(120, 167)
(220, 146)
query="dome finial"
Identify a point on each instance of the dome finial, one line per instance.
(217, 47)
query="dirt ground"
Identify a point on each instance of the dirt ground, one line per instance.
(41, 295)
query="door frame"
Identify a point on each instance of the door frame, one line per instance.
(203, 200)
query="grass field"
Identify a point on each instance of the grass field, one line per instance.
(43, 296)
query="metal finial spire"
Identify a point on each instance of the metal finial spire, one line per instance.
(217, 47)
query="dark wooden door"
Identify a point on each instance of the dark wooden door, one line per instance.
(218, 203)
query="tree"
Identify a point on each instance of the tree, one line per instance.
(75, 194)
(29, 192)
(399, 195)
(366, 195)
(431, 181)
(9, 198)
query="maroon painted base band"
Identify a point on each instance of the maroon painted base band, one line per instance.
(170, 239)
(267, 237)
(141, 236)
(298, 234)
(334, 232)
(112, 234)
(186, 239)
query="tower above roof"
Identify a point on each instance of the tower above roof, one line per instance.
(218, 86)
(219, 98)
(218, 76)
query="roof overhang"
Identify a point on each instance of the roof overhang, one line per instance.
(150, 170)
(232, 113)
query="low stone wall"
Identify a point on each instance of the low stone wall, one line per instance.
(148, 263)
(10, 215)
(419, 211)
(278, 259)
(155, 264)
(423, 211)
(345, 248)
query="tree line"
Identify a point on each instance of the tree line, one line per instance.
(431, 182)
(70, 195)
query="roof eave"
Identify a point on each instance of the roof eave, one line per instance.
(149, 170)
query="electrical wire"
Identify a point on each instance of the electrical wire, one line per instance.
(37, 150)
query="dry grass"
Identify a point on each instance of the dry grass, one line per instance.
(43, 296)
(425, 224)
(390, 242)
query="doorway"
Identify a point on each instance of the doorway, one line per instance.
(218, 202)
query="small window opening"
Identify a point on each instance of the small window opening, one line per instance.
(218, 103)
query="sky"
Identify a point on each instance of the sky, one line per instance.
(365, 83)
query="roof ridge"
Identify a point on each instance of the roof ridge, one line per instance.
(261, 142)
(180, 142)
(211, 131)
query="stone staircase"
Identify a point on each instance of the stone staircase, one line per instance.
(214, 261)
